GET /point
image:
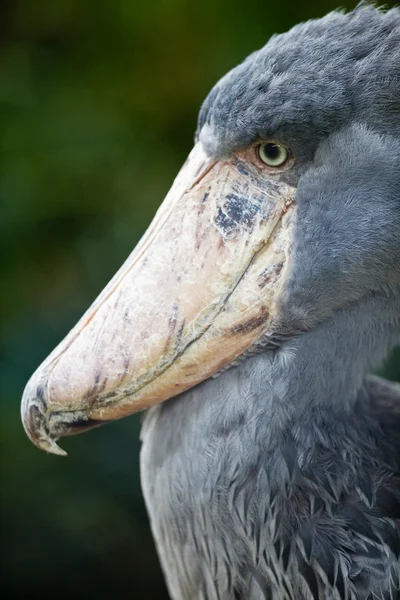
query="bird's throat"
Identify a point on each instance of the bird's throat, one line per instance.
(325, 367)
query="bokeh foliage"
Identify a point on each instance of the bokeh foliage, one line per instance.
(98, 104)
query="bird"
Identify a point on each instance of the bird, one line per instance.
(249, 321)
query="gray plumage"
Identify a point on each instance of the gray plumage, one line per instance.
(280, 479)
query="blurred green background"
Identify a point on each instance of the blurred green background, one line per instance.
(98, 105)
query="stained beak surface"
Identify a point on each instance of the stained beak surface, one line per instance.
(196, 292)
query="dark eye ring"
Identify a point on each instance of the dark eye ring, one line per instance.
(273, 154)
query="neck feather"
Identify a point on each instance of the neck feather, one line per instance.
(316, 372)
(313, 380)
(328, 365)
(324, 367)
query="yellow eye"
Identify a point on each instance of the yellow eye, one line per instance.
(273, 155)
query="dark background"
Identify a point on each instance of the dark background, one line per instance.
(98, 104)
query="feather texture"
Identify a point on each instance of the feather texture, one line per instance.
(280, 479)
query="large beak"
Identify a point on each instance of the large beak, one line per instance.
(198, 290)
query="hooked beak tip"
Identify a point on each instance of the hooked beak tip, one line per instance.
(49, 445)
(34, 412)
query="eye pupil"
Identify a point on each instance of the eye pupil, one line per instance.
(272, 154)
(272, 151)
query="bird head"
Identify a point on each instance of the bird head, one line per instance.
(286, 210)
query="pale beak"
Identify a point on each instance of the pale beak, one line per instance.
(198, 290)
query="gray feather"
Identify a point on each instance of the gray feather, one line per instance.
(280, 479)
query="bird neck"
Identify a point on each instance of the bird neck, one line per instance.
(327, 366)
(316, 374)
(317, 378)
(317, 371)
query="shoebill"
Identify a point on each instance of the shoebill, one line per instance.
(276, 253)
